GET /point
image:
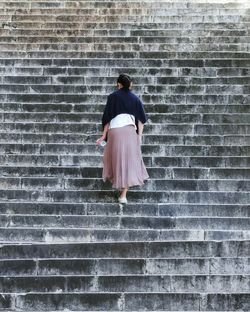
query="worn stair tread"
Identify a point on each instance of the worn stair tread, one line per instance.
(147, 275)
(186, 249)
(153, 32)
(120, 217)
(184, 209)
(108, 267)
(100, 208)
(65, 235)
(123, 223)
(116, 284)
(139, 196)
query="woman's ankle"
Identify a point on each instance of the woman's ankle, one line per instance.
(124, 193)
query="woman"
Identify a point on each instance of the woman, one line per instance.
(123, 121)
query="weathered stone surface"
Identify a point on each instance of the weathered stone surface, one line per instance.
(182, 242)
(91, 302)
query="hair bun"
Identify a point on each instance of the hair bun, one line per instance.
(125, 80)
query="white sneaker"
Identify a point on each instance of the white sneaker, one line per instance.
(122, 200)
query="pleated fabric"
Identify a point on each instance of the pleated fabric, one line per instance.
(123, 165)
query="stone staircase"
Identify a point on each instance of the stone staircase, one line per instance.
(183, 241)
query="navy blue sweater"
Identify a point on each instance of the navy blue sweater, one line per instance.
(123, 102)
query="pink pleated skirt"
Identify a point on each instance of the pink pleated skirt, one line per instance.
(123, 165)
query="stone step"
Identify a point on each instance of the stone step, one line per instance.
(74, 161)
(171, 39)
(26, 175)
(83, 73)
(74, 22)
(146, 139)
(128, 22)
(97, 82)
(99, 310)
(156, 129)
(147, 150)
(87, 183)
(154, 32)
(127, 250)
(177, 33)
(142, 40)
(67, 235)
(130, 284)
(152, 74)
(178, 4)
(159, 89)
(143, 51)
(153, 118)
(60, 235)
(186, 59)
(113, 267)
(99, 108)
(128, 301)
(147, 99)
(135, 196)
(119, 8)
(125, 16)
(105, 8)
(168, 210)
(123, 223)
(148, 89)
(126, 47)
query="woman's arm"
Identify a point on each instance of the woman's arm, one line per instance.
(140, 129)
(104, 134)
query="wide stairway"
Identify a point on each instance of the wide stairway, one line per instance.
(183, 241)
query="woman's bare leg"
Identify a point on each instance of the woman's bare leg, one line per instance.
(124, 193)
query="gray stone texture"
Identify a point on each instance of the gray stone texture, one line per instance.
(183, 241)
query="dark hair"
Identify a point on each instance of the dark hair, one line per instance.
(125, 80)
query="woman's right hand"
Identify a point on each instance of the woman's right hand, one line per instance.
(100, 140)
